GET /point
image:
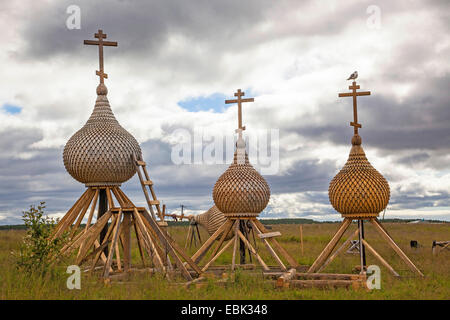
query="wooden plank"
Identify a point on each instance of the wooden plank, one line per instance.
(269, 235)
(301, 238)
(70, 217)
(148, 182)
(303, 284)
(140, 163)
(81, 215)
(118, 261)
(183, 254)
(66, 216)
(330, 276)
(277, 246)
(217, 255)
(90, 234)
(91, 213)
(139, 242)
(339, 250)
(380, 258)
(87, 245)
(197, 257)
(252, 250)
(110, 199)
(126, 240)
(106, 240)
(272, 252)
(330, 246)
(394, 246)
(152, 251)
(236, 240)
(229, 224)
(119, 198)
(113, 245)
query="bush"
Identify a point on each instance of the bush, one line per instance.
(36, 252)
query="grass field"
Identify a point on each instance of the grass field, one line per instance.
(435, 285)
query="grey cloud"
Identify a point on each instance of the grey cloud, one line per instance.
(304, 175)
(419, 122)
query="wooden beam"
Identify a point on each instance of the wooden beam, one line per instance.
(330, 246)
(91, 213)
(336, 253)
(394, 246)
(113, 246)
(217, 255)
(252, 250)
(208, 243)
(236, 240)
(266, 243)
(269, 235)
(292, 262)
(286, 277)
(380, 258)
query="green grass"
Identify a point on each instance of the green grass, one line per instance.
(436, 284)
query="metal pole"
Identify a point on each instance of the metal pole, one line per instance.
(241, 243)
(361, 246)
(102, 208)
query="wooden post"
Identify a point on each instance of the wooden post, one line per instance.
(126, 240)
(301, 238)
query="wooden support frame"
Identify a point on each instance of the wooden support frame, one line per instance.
(153, 242)
(232, 225)
(326, 256)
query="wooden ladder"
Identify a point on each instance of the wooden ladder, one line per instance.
(146, 182)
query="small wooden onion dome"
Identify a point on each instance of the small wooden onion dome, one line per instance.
(241, 190)
(100, 153)
(212, 220)
(358, 190)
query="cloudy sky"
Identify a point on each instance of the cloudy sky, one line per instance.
(178, 60)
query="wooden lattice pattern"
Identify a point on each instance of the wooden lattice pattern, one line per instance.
(359, 190)
(241, 190)
(212, 220)
(100, 152)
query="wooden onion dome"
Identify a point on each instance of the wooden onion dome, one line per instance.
(358, 190)
(212, 220)
(241, 190)
(100, 153)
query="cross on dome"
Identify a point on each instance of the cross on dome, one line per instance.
(239, 101)
(354, 94)
(100, 43)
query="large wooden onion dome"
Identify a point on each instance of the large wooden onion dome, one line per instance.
(358, 190)
(241, 190)
(100, 153)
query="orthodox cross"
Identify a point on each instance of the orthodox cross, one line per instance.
(100, 43)
(239, 101)
(354, 94)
